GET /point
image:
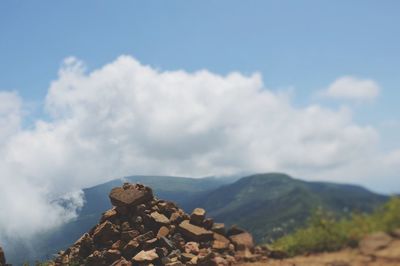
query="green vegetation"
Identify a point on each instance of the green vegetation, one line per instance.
(274, 204)
(326, 233)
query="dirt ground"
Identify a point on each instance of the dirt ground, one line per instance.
(390, 255)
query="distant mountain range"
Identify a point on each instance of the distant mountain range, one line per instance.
(268, 205)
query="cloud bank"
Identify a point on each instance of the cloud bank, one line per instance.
(128, 118)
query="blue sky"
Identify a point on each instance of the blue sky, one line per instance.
(301, 44)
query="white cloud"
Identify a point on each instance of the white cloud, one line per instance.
(127, 118)
(352, 88)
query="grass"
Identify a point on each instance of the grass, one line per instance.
(324, 232)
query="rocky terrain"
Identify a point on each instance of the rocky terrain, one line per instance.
(143, 230)
(378, 249)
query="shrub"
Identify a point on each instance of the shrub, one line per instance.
(324, 232)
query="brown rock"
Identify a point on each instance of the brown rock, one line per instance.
(112, 255)
(197, 216)
(163, 231)
(219, 228)
(105, 232)
(208, 223)
(95, 259)
(108, 215)
(391, 252)
(122, 262)
(143, 238)
(146, 256)
(194, 232)
(150, 244)
(396, 233)
(220, 242)
(374, 242)
(130, 195)
(129, 235)
(117, 245)
(242, 241)
(235, 230)
(176, 217)
(85, 244)
(187, 257)
(130, 249)
(2, 257)
(159, 218)
(192, 247)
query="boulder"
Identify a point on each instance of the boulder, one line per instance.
(197, 216)
(242, 241)
(374, 242)
(218, 228)
(105, 232)
(146, 256)
(163, 232)
(159, 218)
(130, 195)
(195, 233)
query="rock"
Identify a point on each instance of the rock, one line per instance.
(277, 254)
(105, 232)
(142, 230)
(130, 249)
(163, 232)
(112, 255)
(129, 235)
(234, 230)
(122, 262)
(192, 247)
(95, 259)
(146, 256)
(395, 233)
(197, 216)
(130, 195)
(242, 241)
(159, 218)
(218, 228)
(390, 252)
(220, 242)
(108, 215)
(187, 257)
(208, 223)
(194, 232)
(2, 257)
(85, 244)
(369, 244)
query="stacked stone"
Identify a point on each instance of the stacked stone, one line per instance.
(2, 257)
(142, 230)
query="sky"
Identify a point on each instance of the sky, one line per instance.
(94, 90)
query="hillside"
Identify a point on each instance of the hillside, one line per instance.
(269, 205)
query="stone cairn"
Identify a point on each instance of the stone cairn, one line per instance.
(2, 257)
(143, 230)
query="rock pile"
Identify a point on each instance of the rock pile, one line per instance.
(2, 257)
(143, 230)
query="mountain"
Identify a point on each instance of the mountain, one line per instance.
(268, 205)
(178, 189)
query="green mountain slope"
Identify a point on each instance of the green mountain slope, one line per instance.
(269, 205)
